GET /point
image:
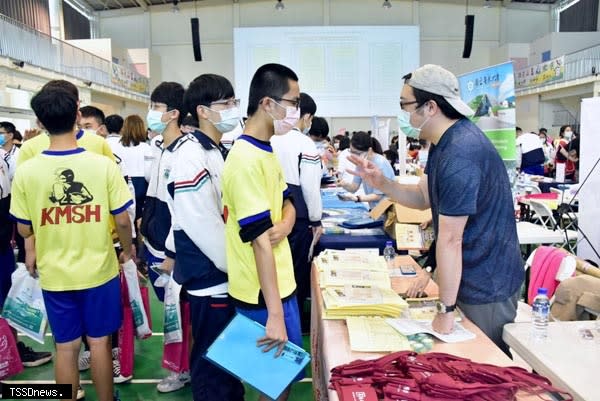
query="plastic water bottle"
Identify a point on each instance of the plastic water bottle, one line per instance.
(389, 253)
(540, 314)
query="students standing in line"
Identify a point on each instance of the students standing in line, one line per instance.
(194, 188)
(301, 164)
(259, 212)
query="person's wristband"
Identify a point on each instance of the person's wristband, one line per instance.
(357, 199)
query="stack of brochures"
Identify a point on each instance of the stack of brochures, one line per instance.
(356, 283)
(361, 300)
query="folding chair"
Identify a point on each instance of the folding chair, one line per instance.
(546, 218)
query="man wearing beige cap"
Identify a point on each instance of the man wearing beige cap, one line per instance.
(466, 185)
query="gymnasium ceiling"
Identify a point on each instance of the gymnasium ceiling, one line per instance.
(101, 5)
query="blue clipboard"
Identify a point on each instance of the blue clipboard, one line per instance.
(235, 351)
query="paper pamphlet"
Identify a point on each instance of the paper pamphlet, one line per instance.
(409, 327)
(235, 350)
(373, 334)
(333, 276)
(412, 236)
(424, 310)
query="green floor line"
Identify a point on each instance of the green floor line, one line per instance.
(147, 369)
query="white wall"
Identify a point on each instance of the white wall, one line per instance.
(98, 47)
(441, 22)
(527, 111)
(561, 43)
(589, 199)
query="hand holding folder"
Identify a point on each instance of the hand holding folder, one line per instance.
(236, 351)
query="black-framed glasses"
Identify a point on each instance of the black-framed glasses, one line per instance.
(404, 104)
(294, 102)
(227, 102)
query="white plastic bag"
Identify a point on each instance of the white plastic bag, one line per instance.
(24, 308)
(140, 320)
(172, 322)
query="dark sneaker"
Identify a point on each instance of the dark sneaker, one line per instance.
(117, 376)
(30, 358)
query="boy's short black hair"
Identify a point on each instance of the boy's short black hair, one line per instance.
(204, 90)
(113, 123)
(56, 109)
(94, 112)
(62, 84)
(361, 141)
(423, 97)
(171, 94)
(8, 127)
(307, 105)
(270, 80)
(319, 128)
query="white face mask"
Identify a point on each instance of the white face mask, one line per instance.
(568, 135)
(283, 126)
(230, 118)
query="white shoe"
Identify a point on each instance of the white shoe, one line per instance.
(117, 377)
(85, 360)
(80, 393)
(173, 382)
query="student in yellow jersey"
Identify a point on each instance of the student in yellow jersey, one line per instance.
(81, 294)
(260, 214)
(85, 139)
(88, 140)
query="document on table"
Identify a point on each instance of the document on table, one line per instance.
(409, 327)
(339, 276)
(373, 334)
(235, 350)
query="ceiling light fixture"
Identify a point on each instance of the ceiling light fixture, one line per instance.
(175, 8)
(386, 4)
(487, 4)
(279, 6)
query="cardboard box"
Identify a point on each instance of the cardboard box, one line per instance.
(397, 217)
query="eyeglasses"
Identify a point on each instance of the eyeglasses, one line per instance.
(157, 105)
(227, 102)
(404, 104)
(294, 102)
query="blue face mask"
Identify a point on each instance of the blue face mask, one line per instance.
(153, 119)
(2, 139)
(405, 126)
(230, 118)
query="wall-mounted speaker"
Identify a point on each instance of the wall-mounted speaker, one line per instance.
(469, 25)
(196, 39)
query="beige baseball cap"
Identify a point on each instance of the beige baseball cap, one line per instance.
(435, 79)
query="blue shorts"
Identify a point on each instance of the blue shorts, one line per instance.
(94, 312)
(7, 267)
(291, 317)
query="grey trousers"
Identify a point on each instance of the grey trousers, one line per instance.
(492, 317)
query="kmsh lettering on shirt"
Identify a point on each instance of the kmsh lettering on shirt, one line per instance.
(71, 214)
